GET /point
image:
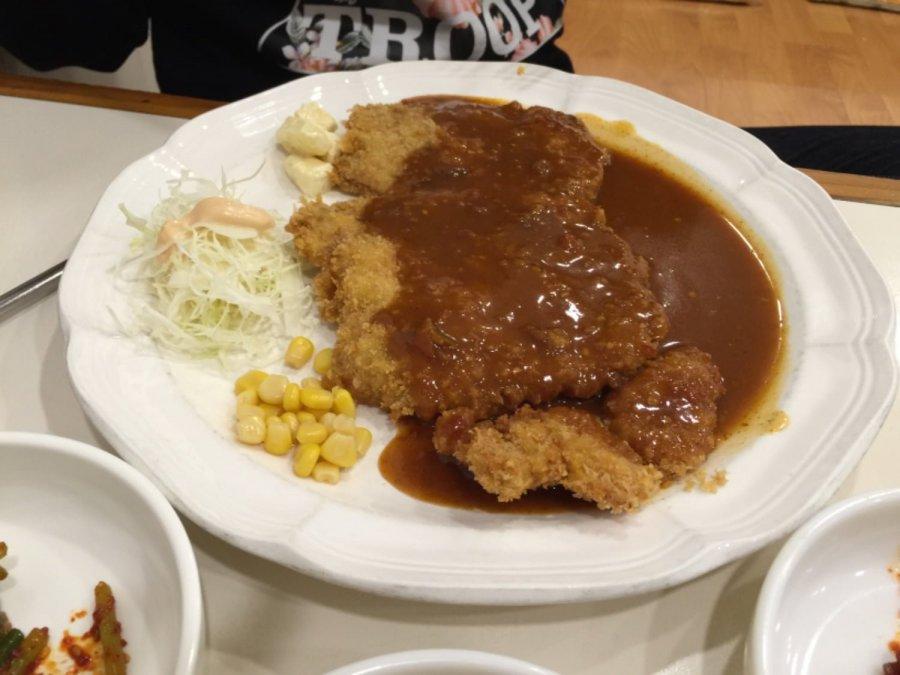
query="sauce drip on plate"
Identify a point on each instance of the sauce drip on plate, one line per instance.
(412, 465)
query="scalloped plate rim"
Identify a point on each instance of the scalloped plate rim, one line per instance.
(712, 554)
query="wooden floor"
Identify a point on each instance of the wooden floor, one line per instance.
(776, 62)
(771, 63)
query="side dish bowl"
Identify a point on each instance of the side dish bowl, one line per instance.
(829, 603)
(441, 662)
(73, 515)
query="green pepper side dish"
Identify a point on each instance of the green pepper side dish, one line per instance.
(109, 630)
(9, 643)
(3, 551)
(28, 653)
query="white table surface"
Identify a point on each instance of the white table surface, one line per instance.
(55, 160)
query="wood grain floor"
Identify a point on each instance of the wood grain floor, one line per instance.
(775, 62)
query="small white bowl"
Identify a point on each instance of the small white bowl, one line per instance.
(829, 603)
(73, 515)
(441, 662)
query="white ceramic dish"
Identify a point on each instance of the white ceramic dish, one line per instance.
(441, 662)
(829, 603)
(73, 515)
(173, 423)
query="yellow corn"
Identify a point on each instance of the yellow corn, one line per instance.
(316, 399)
(245, 410)
(249, 380)
(326, 472)
(291, 420)
(311, 432)
(340, 449)
(343, 402)
(305, 459)
(251, 430)
(328, 420)
(343, 424)
(291, 399)
(271, 389)
(270, 410)
(306, 416)
(298, 352)
(322, 361)
(278, 437)
(311, 383)
(248, 397)
(363, 440)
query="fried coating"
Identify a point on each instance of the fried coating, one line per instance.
(378, 141)
(358, 272)
(357, 278)
(540, 448)
(318, 227)
(667, 412)
(362, 277)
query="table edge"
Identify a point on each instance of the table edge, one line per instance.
(845, 186)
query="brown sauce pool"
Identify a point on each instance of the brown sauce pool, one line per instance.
(412, 465)
(715, 291)
(712, 284)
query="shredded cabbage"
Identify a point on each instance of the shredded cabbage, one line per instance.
(234, 300)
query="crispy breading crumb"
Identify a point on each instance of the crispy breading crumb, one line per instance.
(702, 481)
(564, 446)
(777, 421)
(378, 141)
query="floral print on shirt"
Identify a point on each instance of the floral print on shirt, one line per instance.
(349, 34)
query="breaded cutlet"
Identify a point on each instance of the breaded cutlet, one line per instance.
(667, 412)
(661, 424)
(358, 273)
(357, 278)
(533, 449)
(361, 278)
(378, 141)
(415, 334)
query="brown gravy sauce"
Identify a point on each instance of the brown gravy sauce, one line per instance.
(715, 291)
(412, 465)
(512, 289)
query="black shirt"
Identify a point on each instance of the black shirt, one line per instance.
(227, 50)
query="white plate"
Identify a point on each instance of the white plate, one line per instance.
(73, 515)
(441, 662)
(829, 604)
(363, 533)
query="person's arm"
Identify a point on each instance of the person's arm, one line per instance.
(95, 34)
(447, 9)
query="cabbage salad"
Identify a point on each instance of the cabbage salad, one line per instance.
(214, 291)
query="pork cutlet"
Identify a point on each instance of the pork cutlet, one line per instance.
(657, 425)
(540, 448)
(474, 277)
(667, 412)
(509, 286)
